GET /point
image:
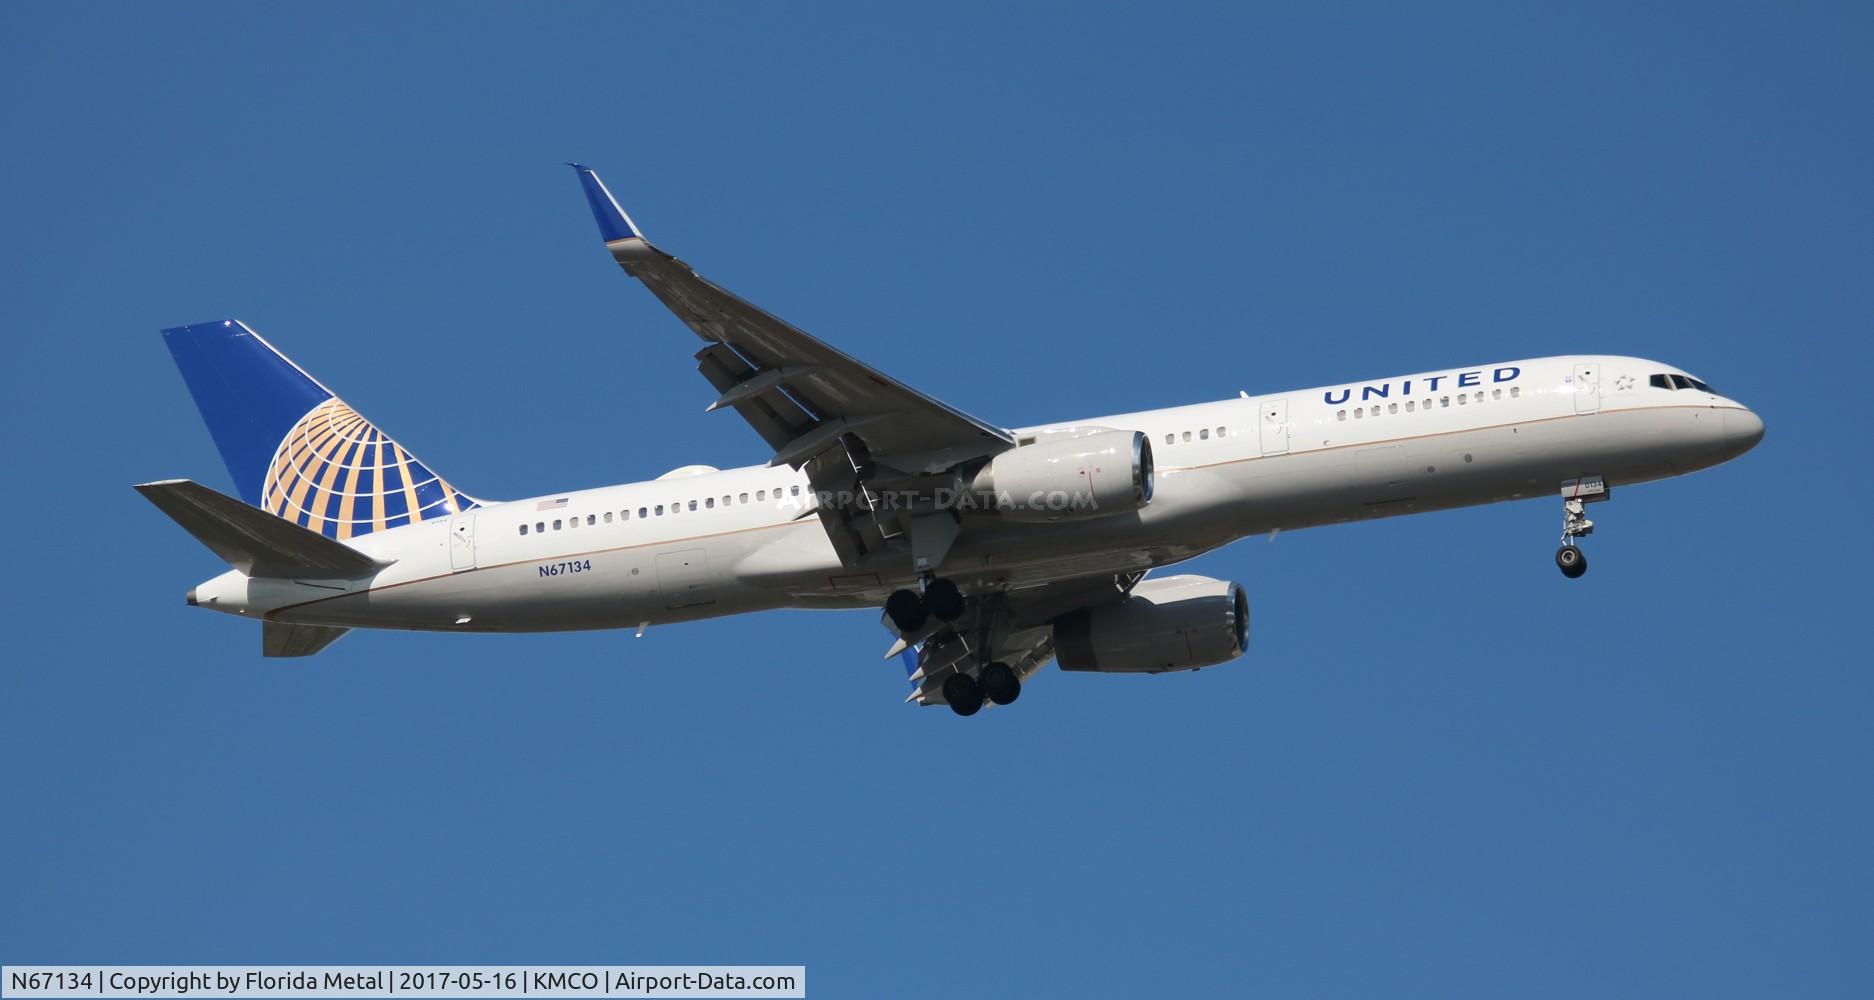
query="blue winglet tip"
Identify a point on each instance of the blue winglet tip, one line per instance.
(213, 326)
(614, 224)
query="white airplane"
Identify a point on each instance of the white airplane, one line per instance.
(992, 550)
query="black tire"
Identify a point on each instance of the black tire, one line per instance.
(906, 610)
(943, 599)
(964, 694)
(999, 684)
(1572, 561)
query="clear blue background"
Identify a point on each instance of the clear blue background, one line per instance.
(1442, 770)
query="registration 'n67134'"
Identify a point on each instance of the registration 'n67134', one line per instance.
(563, 568)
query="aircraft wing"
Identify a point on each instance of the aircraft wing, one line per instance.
(802, 396)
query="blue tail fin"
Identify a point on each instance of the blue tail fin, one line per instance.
(296, 450)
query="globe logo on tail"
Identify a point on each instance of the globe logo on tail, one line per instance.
(337, 474)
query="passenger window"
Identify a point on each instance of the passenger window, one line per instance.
(1496, 394)
(642, 512)
(1204, 435)
(743, 498)
(592, 519)
(1462, 399)
(1480, 395)
(660, 510)
(692, 505)
(710, 503)
(556, 524)
(523, 529)
(1187, 435)
(1358, 412)
(725, 501)
(1444, 400)
(572, 522)
(1515, 391)
(795, 490)
(1171, 439)
(540, 526)
(1392, 407)
(608, 517)
(1219, 432)
(761, 494)
(1411, 405)
(1341, 415)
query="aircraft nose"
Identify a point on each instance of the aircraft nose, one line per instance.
(1742, 430)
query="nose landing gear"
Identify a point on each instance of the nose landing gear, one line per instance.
(1575, 524)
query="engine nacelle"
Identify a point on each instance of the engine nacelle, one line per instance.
(1171, 623)
(1083, 476)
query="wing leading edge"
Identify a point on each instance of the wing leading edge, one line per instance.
(800, 394)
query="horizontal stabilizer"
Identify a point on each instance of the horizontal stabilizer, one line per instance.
(288, 639)
(252, 540)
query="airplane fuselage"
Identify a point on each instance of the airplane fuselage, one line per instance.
(712, 543)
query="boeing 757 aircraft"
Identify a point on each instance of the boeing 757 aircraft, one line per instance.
(992, 550)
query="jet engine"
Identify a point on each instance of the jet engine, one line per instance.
(1171, 623)
(1069, 476)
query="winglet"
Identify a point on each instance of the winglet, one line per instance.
(614, 224)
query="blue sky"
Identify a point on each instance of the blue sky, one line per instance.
(1441, 770)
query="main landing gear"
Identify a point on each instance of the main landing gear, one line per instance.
(910, 610)
(998, 683)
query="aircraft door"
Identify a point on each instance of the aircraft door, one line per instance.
(462, 542)
(1274, 425)
(683, 576)
(1587, 388)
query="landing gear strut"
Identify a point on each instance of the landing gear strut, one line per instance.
(1575, 524)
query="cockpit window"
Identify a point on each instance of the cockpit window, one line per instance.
(1679, 382)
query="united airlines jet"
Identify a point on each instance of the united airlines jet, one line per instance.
(991, 550)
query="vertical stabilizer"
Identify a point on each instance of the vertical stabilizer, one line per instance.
(296, 450)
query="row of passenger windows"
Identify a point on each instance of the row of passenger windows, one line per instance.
(657, 510)
(1412, 405)
(1680, 382)
(1202, 435)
